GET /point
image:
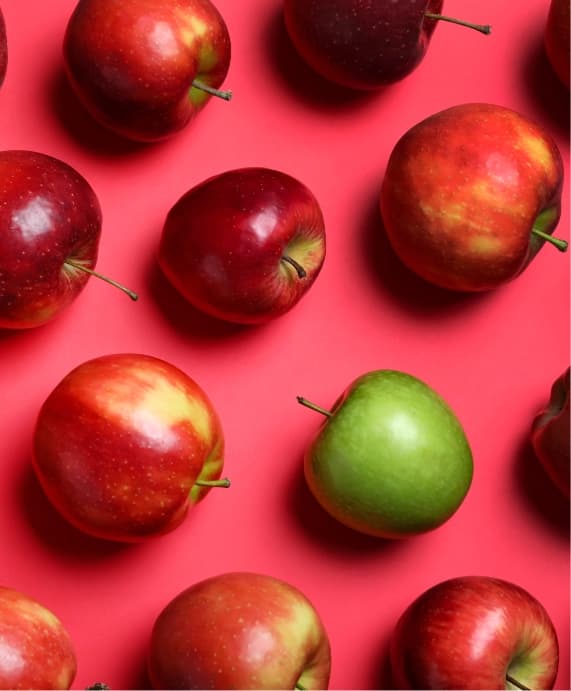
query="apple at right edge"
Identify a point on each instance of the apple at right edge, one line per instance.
(557, 40)
(3, 48)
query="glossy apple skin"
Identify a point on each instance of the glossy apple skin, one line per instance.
(120, 443)
(462, 192)
(393, 460)
(361, 44)
(3, 49)
(556, 38)
(550, 434)
(239, 631)
(49, 214)
(235, 271)
(469, 632)
(132, 62)
(36, 651)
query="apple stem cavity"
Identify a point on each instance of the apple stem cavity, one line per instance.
(91, 272)
(556, 242)
(313, 406)
(226, 95)
(224, 482)
(296, 265)
(482, 28)
(516, 683)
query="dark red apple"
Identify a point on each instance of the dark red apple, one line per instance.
(125, 444)
(556, 38)
(475, 632)
(239, 631)
(470, 195)
(3, 48)
(244, 245)
(550, 434)
(36, 651)
(144, 68)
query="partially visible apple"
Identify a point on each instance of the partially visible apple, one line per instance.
(470, 195)
(125, 444)
(144, 68)
(391, 459)
(556, 38)
(550, 434)
(3, 48)
(36, 651)
(244, 245)
(239, 631)
(474, 632)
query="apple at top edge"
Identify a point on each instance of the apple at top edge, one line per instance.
(3, 48)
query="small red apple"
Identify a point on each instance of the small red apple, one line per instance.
(471, 194)
(244, 245)
(474, 632)
(144, 68)
(556, 38)
(125, 444)
(36, 651)
(550, 434)
(3, 48)
(239, 631)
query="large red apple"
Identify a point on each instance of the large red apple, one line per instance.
(125, 444)
(556, 38)
(244, 245)
(144, 68)
(3, 48)
(474, 632)
(36, 651)
(550, 434)
(239, 631)
(471, 194)
(50, 226)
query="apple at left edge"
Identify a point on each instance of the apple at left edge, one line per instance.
(50, 227)
(557, 38)
(474, 632)
(125, 445)
(145, 68)
(239, 630)
(3, 48)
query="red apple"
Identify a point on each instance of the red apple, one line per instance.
(36, 651)
(556, 38)
(264, 247)
(50, 225)
(144, 68)
(125, 444)
(3, 48)
(474, 632)
(471, 194)
(239, 631)
(550, 434)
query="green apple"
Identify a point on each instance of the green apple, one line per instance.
(392, 459)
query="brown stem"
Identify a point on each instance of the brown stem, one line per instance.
(198, 84)
(482, 28)
(313, 406)
(91, 272)
(516, 683)
(224, 482)
(301, 272)
(556, 242)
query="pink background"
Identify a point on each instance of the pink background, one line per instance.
(493, 357)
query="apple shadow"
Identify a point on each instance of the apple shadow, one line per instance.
(383, 676)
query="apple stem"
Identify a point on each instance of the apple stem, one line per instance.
(226, 95)
(313, 406)
(80, 267)
(299, 686)
(301, 272)
(482, 28)
(556, 242)
(516, 683)
(224, 482)
(98, 686)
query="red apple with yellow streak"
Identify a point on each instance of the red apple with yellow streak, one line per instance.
(125, 444)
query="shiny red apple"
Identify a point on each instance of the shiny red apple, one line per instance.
(125, 444)
(470, 195)
(239, 631)
(3, 48)
(474, 632)
(36, 651)
(245, 245)
(144, 68)
(556, 38)
(551, 432)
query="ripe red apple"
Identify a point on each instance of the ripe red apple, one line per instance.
(3, 48)
(474, 632)
(556, 38)
(125, 444)
(550, 434)
(144, 68)
(50, 225)
(264, 247)
(471, 194)
(364, 45)
(239, 631)
(36, 651)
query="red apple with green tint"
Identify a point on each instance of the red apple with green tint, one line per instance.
(3, 49)
(556, 38)
(125, 444)
(470, 195)
(245, 245)
(36, 651)
(144, 68)
(239, 631)
(474, 632)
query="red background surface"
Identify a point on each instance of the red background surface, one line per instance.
(493, 357)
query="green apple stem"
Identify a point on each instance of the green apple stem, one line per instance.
(299, 686)
(226, 95)
(91, 272)
(98, 686)
(224, 482)
(301, 272)
(516, 683)
(556, 242)
(482, 28)
(313, 406)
